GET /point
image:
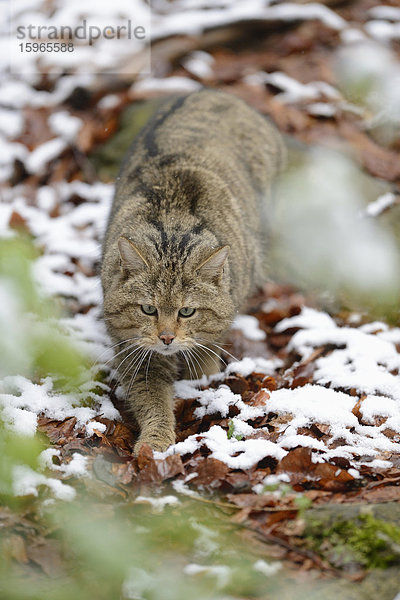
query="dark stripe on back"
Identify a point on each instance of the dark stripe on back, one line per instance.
(135, 174)
(184, 242)
(149, 139)
(198, 228)
(169, 159)
(164, 238)
(190, 240)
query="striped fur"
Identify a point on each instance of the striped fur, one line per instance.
(193, 185)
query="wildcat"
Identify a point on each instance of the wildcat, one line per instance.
(184, 245)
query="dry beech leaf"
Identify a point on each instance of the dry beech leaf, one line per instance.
(170, 467)
(298, 464)
(270, 383)
(124, 472)
(86, 136)
(210, 473)
(237, 384)
(296, 461)
(389, 493)
(145, 456)
(58, 431)
(390, 433)
(18, 222)
(279, 516)
(47, 554)
(156, 471)
(319, 429)
(260, 398)
(254, 501)
(14, 546)
(148, 472)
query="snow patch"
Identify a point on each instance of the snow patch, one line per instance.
(76, 467)
(199, 64)
(267, 569)
(22, 401)
(65, 125)
(169, 84)
(37, 160)
(250, 327)
(239, 454)
(222, 573)
(379, 205)
(26, 482)
(158, 504)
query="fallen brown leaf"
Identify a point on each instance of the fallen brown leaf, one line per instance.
(210, 473)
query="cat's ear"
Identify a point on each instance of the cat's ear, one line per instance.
(213, 267)
(130, 257)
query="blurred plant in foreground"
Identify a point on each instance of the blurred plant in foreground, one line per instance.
(369, 75)
(32, 344)
(327, 239)
(104, 551)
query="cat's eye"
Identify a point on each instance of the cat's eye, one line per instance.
(186, 311)
(148, 309)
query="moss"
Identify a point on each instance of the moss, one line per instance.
(369, 542)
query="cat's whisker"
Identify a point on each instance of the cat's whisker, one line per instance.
(216, 346)
(183, 352)
(136, 351)
(132, 345)
(202, 358)
(189, 358)
(135, 364)
(203, 355)
(197, 358)
(209, 351)
(140, 362)
(132, 366)
(98, 362)
(147, 367)
(223, 350)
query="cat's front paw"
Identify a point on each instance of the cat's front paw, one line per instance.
(158, 442)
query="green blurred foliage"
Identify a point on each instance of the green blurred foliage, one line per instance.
(32, 343)
(132, 552)
(368, 75)
(16, 450)
(324, 242)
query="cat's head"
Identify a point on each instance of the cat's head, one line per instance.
(169, 305)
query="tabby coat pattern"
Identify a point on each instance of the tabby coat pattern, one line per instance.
(185, 245)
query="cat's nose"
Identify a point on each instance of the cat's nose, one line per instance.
(167, 338)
